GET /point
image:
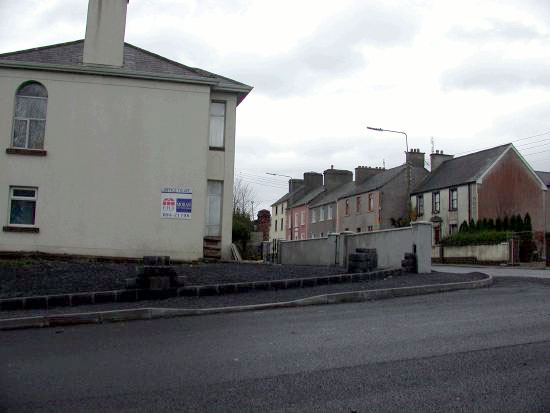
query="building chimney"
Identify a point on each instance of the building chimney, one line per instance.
(104, 42)
(293, 184)
(415, 158)
(336, 177)
(312, 180)
(362, 173)
(437, 158)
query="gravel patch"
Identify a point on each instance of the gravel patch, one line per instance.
(259, 297)
(36, 276)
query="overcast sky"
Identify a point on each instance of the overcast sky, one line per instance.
(470, 74)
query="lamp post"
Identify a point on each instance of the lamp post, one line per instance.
(408, 166)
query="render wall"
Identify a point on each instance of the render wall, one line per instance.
(359, 219)
(391, 246)
(112, 145)
(278, 214)
(322, 227)
(487, 253)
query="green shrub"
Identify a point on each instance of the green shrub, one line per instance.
(475, 238)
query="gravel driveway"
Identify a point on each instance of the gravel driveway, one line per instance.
(36, 276)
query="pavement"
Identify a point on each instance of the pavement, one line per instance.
(495, 271)
(477, 350)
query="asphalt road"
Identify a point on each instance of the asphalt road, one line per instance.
(479, 350)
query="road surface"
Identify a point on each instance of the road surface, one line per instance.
(479, 350)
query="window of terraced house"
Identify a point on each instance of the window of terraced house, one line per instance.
(369, 228)
(346, 210)
(321, 214)
(453, 199)
(276, 209)
(358, 204)
(371, 202)
(420, 205)
(275, 225)
(329, 212)
(29, 122)
(453, 229)
(281, 224)
(217, 124)
(302, 218)
(436, 203)
(296, 222)
(358, 229)
(313, 221)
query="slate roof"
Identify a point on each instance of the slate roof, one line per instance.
(307, 197)
(138, 63)
(461, 170)
(287, 195)
(544, 176)
(327, 197)
(375, 182)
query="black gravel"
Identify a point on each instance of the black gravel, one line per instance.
(259, 297)
(36, 276)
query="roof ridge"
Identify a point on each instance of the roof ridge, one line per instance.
(483, 150)
(34, 49)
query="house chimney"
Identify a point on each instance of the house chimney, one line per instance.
(293, 184)
(104, 42)
(362, 173)
(312, 180)
(415, 158)
(437, 158)
(336, 177)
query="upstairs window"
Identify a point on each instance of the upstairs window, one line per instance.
(322, 214)
(371, 202)
(420, 205)
(217, 125)
(346, 211)
(302, 218)
(358, 204)
(29, 122)
(453, 199)
(313, 216)
(329, 212)
(436, 203)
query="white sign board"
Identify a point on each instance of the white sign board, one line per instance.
(176, 202)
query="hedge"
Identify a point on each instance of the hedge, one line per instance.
(476, 238)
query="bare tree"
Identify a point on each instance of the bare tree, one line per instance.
(243, 198)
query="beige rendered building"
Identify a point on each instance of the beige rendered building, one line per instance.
(112, 150)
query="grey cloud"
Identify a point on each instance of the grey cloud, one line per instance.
(498, 74)
(499, 31)
(333, 50)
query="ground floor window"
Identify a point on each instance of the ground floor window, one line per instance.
(369, 228)
(453, 229)
(22, 206)
(358, 229)
(214, 208)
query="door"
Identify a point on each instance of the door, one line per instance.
(214, 208)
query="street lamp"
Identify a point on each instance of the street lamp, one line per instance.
(271, 173)
(406, 161)
(393, 131)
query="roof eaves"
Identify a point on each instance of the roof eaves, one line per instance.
(105, 71)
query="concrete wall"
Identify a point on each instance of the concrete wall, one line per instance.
(319, 251)
(488, 253)
(391, 246)
(112, 145)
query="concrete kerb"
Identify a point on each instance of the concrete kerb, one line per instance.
(153, 313)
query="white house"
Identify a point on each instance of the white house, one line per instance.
(111, 150)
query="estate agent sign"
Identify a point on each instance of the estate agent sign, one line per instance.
(176, 202)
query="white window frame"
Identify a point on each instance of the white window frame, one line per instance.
(302, 217)
(296, 222)
(370, 206)
(28, 120)
(210, 143)
(329, 213)
(290, 221)
(13, 197)
(313, 221)
(322, 214)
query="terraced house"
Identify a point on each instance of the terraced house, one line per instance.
(378, 199)
(492, 183)
(113, 150)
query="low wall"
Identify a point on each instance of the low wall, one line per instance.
(497, 253)
(318, 251)
(391, 246)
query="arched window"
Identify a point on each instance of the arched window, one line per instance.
(29, 123)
